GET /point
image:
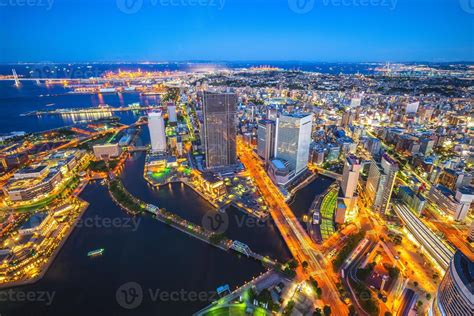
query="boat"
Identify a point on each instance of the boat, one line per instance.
(97, 252)
(107, 90)
(50, 104)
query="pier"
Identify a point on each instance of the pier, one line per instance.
(92, 110)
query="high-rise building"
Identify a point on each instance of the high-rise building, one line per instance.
(172, 116)
(156, 125)
(219, 111)
(350, 176)
(293, 138)
(455, 294)
(266, 139)
(380, 182)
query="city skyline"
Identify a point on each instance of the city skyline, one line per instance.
(237, 157)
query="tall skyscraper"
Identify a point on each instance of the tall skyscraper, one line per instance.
(219, 128)
(380, 182)
(348, 199)
(293, 138)
(156, 125)
(455, 294)
(266, 139)
(350, 176)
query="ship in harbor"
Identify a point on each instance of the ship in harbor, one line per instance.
(95, 253)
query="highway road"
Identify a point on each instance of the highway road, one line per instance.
(296, 238)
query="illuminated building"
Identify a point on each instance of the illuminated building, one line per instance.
(454, 179)
(380, 182)
(426, 146)
(35, 223)
(350, 176)
(412, 107)
(156, 125)
(414, 201)
(293, 138)
(280, 172)
(28, 188)
(373, 146)
(107, 151)
(470, 235)
(172, 116)
(266, 139)
(347, 119)
(333, 153)
(455, 296)
(13, 161)
(457, 204)
(219, 111)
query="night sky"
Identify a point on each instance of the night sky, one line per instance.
(232, 30)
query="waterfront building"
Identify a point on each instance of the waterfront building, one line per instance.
(266, 139)
(107, 151)
(25, 189)
(455, 295)
(380, 182)
(280, 172)
(219, 130)
(156, 125)
(293, 138)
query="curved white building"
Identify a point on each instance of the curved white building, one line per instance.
(455, 295)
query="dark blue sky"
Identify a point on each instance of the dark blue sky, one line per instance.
(163, 30)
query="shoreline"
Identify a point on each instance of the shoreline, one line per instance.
(52, 258)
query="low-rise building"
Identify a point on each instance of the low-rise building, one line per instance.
(107, 151)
